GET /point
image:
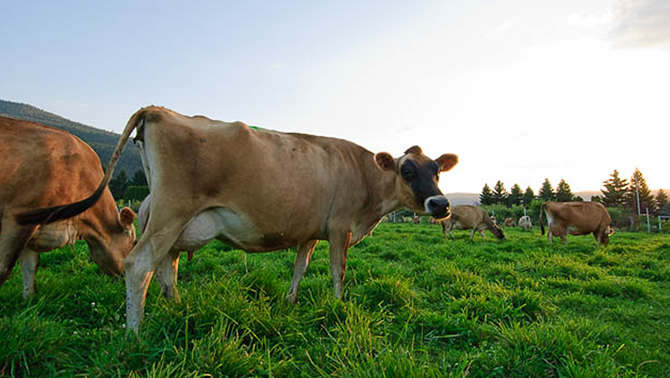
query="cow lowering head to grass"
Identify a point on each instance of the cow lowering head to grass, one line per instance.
(577, 218)
(468, 217)
(261, 190)
(41, 166)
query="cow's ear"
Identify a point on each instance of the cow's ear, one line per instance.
(414, 150)
(447, 161)
(385, 161)
(127, 216)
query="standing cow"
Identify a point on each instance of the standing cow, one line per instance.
(525, 223)
(43, 166)
(264, 191)
(466, 217)
(577, 218)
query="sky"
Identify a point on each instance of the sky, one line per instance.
(520, 90)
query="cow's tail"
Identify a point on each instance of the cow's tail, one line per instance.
(542, 211)
(56, 213)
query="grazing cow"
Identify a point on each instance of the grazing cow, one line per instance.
(43, 166)
(263, 191)
(525, 223)
(577, 218)
(466, 217)
(509, 222)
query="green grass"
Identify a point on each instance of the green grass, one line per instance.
(414, 305)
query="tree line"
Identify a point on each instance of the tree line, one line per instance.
(632, 195)
(616, 193)
(516, 197)
(129, 189)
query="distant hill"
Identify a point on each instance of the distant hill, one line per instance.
(102, 142)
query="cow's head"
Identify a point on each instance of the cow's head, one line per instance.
(604, 238)
(109, 251)
(497, 232)
(416, 180)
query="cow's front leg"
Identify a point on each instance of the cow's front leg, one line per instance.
(166, 275)
(338, 260)
(302, 260)
(29, 260)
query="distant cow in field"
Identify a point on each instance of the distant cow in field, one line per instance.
(509, 222)
(577, 218)
(264, 191)
(525, 223)
(43, 166)
(466, 217)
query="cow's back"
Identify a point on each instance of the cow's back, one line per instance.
(288, 185)
(43, 166)
(579, 217)
(467, 216)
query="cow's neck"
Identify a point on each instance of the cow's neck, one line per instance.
(382, 200)
(98, 224)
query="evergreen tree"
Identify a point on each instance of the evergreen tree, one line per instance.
(515, 196)
(118, 185)
(499, 193)
(546, 191)
(563, 192)
(639, 185)
(615, 191)
(661, 202)
(528, 196)
(486, 197)
(138, 178)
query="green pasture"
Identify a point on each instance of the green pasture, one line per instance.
(414, 305)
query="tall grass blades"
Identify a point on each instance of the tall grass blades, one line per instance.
(414, 305)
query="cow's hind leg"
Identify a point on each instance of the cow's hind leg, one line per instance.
(166, 275)
(29, 260)
(141, 263)
(302, 260)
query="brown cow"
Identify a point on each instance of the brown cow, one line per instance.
(43, 166)
(263, 191)
(466, 217)
(577, 218)
(509, 222)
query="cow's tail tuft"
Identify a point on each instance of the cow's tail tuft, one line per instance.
(56, 213)
(542, 211)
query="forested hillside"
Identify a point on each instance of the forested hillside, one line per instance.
(103, 142)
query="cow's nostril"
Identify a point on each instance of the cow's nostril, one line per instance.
(438, 206)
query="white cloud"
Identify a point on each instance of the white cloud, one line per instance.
(641, 23)
(591, 20)
(503, 27)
